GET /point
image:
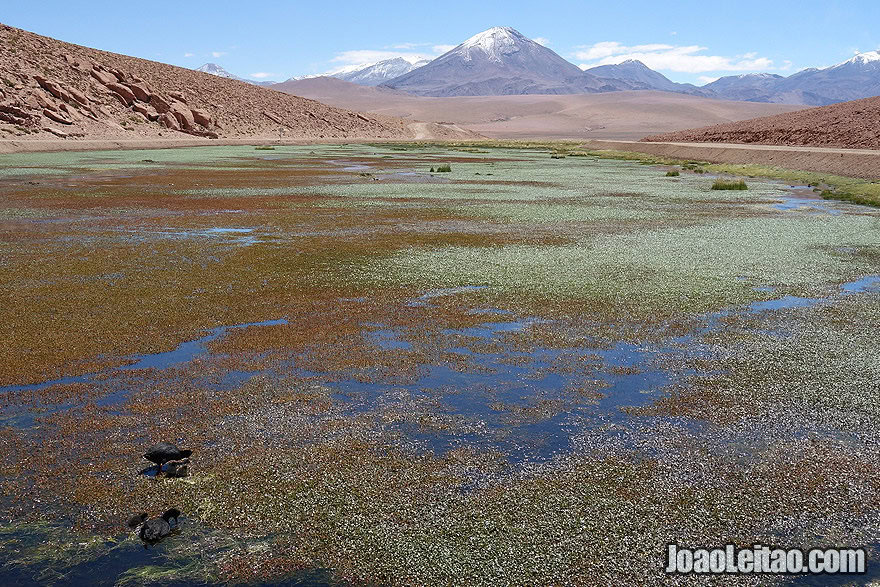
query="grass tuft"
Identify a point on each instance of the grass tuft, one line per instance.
(672, 173)
(725, 184)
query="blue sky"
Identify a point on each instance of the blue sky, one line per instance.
(687, 41)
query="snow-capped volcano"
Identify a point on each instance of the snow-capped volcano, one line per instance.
(495, 43)
(868, 58)
(215, 69)
(501, 61)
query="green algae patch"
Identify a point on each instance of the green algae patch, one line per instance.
(682, 269)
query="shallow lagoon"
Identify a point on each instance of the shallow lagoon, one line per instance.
(397, 376)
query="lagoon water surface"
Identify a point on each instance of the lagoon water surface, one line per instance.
(528, 369)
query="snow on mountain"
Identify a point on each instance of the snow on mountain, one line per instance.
(378, 73)
(871, 57)
(214, 69)
(501, 61)
(495, 43)
(855, 78)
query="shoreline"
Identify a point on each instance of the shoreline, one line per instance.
(857, 163)
(854, 163)
(12, 146)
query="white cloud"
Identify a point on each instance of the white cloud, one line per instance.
(218, 53)
(706, 79)
(688, 59)
(189, 54)
(440, 49)
(542, 41)
(264, 74)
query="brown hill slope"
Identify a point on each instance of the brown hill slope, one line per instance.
(853, 125)
(628, 115)
(48, 87)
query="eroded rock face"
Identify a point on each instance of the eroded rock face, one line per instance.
(159, 103)
(78, 96)
(61, 91)
(140, 91)
(56, 116)
(201, 117)
(17, 116)
(183, 115)
(123, 92)
(168, 120)
(148, 112)
(273, 117)
(104, 77)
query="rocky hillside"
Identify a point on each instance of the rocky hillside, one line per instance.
(848, 124)
(50, 89)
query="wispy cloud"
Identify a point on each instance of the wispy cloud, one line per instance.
(189, 54)
(542, 41)
(218, 53)
(264, 75)
(706, 79)
(440, 49)
(687, 59)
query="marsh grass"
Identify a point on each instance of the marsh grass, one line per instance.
(445, 168)
(837, 187)
(672, 173)
(725, 184)
(264, 148)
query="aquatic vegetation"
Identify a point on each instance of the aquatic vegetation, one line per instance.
(724, 184)
(866, 192)
(521, 362)
(672, 173)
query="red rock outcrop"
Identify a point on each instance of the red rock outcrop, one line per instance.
(123, 92)
(92, 92)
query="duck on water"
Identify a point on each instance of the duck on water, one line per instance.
(154, 529)
(164, 452)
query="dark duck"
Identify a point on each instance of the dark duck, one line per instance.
(155, 529)
(165, 452)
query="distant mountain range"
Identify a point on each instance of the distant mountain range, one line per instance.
(379, 73)
(215, 69)
(502, 61)
(856, 78)
(638, 73)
